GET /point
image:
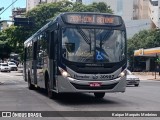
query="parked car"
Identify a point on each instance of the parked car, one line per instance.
(132, 79)
(4, 67)
(13, 66)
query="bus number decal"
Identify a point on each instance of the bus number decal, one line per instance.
(107, 76)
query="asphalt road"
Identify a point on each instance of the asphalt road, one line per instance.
(15, 96)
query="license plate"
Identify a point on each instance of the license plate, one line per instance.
(95, 84)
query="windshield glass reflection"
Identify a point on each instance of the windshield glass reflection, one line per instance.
(93, 45)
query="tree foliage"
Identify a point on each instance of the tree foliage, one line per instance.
(5, 50)
(44, 12)
(144, 39)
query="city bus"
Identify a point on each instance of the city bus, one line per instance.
(78, 52)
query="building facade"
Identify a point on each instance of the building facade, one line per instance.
(123, 8)
(18, 12)
(3, 26)
(143, 9)
(154, 13)
(140, 9)
(30, 4)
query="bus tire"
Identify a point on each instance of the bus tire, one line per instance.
(99, 95)
(47, 86)
(49, 91)
(30, 85)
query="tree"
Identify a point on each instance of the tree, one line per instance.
(16, 37)
(44, 12)
(5, 50)
(144, 39)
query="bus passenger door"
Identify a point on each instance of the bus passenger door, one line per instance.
(53, 58)
(34, 64)
(40, 63)
(24, 65)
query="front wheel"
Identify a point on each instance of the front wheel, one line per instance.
(51, 94)
(99, 95)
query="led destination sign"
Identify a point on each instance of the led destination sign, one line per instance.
(96, 19)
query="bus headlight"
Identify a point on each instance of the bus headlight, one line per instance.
(64, 73)
(122, 74)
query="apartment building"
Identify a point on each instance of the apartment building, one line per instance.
(18, 12)
(141, 9)
(30, 4)
(144, 6)
(123, 8)
(154, 13)
(3, 26)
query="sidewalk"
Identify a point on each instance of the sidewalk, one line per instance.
(20, 69)
(147, 75)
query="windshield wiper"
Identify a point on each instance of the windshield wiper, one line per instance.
(87, 40)
(102, 39)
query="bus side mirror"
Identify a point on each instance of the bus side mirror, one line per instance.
(70, 47)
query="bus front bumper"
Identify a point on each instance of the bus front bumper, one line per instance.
(73, 85)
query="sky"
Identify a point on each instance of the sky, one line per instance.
(5, 3)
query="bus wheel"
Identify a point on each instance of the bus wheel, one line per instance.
(30, 85)
(99, 94)
(51, 94)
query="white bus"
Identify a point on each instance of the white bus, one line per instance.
(78, 52)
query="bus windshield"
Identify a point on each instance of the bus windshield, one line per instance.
(93, 45)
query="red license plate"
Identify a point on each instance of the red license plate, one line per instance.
(95, 84)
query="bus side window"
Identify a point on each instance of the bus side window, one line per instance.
(44, 43)
(39, 52)
(25, 54)
(29, 51)
(53, 44)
